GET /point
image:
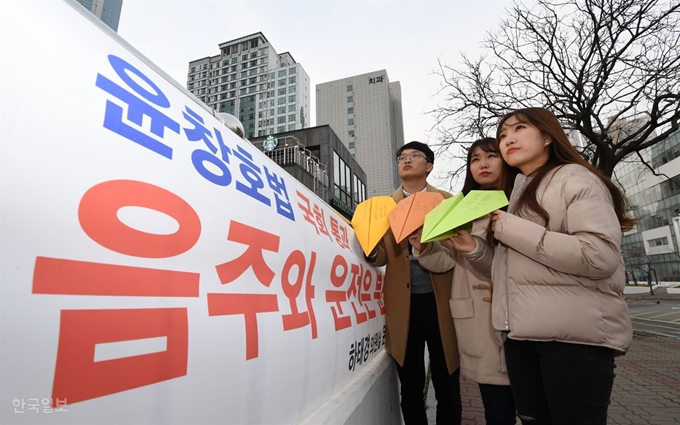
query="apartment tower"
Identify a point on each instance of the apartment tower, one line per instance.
(267, 91)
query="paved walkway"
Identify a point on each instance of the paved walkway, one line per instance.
(646, 388)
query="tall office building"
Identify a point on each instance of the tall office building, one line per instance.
(268, 92)
(655, 201)
(365, 112)
(106, 10)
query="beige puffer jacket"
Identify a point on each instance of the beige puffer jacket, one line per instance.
(560, 282)
(481, 354)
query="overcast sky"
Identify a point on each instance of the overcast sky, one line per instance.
(331, 39)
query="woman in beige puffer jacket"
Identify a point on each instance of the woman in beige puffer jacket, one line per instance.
(557, 274)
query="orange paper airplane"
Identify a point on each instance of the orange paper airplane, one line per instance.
(409, 214)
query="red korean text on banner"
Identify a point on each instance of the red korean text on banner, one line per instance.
(249, 305)
(338, 296)
(365, 296)
(354, 291)
(378, 293)
(78, 376)
(98, 217)
(297, 319)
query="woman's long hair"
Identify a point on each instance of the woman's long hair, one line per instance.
(561, 153)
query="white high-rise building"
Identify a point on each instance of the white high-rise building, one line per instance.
(268, 92)
(365, 112)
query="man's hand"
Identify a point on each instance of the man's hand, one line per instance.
(414, 240)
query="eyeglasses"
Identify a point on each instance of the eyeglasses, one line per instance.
(411, 157)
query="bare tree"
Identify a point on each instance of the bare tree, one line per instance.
(599, 65)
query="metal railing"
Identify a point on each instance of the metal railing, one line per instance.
(290, 151)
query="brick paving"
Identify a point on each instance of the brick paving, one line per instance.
(646, 387)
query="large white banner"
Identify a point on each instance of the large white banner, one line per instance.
(156, 268)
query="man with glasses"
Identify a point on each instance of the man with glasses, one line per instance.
(417, 308)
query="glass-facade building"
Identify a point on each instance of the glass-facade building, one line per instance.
(655, 202)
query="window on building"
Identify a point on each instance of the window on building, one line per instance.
(281, 120)
(281, 110)
(350, 87)
(291, 118)
(291, 108)
(282, 91)
(350, 99)
(282, 73)
(352, 145)
(291, 127)
(291, 89)
(282, 100)
(657, 242)
(350, 121)
(282, 82)
(342, 180)
(291, 98)
(291, 71)
(291, 80)
(242, 91)
(351, 134)
(244, 57)
(350, 110)
(281, 129)
(244, 74)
